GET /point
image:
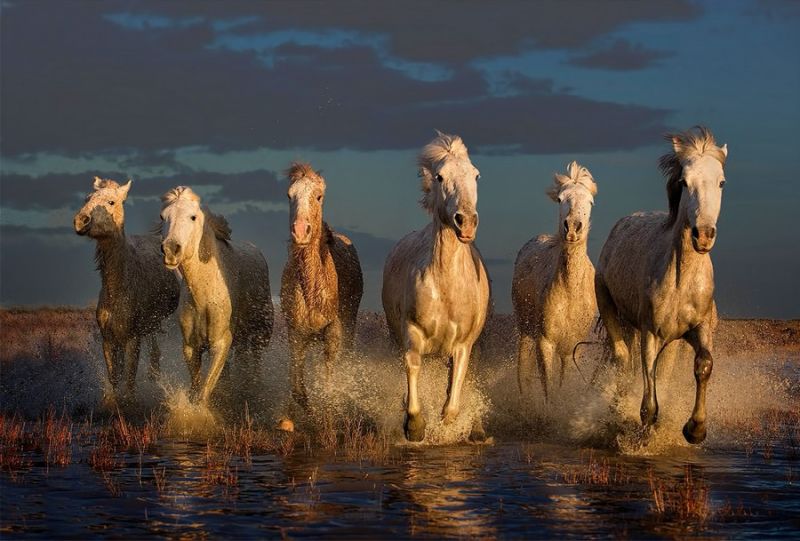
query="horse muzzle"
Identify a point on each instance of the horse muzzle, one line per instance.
(171, 251)
(703, 238)
(301, 232)
(466, 225)
(82, 224)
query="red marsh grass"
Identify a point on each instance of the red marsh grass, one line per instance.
(686, 499)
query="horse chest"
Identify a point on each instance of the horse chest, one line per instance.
(677, 310)
(448, 312)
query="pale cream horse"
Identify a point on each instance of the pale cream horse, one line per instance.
(553, 285)
(225, 298)
(321, 285)
(435, 285)
(136, 294)
(655, 272)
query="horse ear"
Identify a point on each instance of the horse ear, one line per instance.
(98, 183)
(125, 187)
(724, 149)
(677, 144)
(426, 178)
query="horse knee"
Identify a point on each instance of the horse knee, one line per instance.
(703, 365)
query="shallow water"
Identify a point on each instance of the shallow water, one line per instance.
(577, 467)
(505, 489)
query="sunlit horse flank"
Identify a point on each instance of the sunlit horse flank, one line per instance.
(321, 284)
(435, 285)
(655, 271)
(137, 293)
(553, 285)
(225, 298)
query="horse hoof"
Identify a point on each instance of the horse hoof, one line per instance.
(694, 432)
(448, 417)
(415, 427)
(286, 425)
(477, 435)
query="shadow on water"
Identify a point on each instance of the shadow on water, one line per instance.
(72, 464)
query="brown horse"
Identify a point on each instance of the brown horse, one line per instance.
(321, 285)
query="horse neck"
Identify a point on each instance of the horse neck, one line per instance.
(447, 249)
(198, 271)
(684, 257)
(572, 260)
(111, 255)
(309, 264)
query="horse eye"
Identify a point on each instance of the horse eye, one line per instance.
(683, 182)
(440, 178)
(111, 203)
(722, 183)
(477, 177)
(319, 198)
(194, 218)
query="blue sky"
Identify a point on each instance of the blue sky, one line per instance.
(222, 96)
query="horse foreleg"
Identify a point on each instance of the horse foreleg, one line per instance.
(525, 366)
(154, 369)
(700, 338)
(610, 317)
(110, 355)
(192, 354)
(545, 355)
(132, 350)
(415, 420)
(457, 375)
(650, 350)
(298, 346)
(219, 354)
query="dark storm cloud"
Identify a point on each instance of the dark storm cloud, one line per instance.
(52, 191)
(443, 31)
(77, 82)
(621, 55)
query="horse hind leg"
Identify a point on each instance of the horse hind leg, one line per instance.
(614, 331)
(132, 350)
(700, 338)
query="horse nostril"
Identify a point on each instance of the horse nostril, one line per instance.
(566, 226)
(308, 229)
(163, 252)
(712, 233)
(459, 219)
(695, 232)
(579, 226)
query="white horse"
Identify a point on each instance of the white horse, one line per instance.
(225, 298)
(655, 272)
(435, 286)
(553, 285)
